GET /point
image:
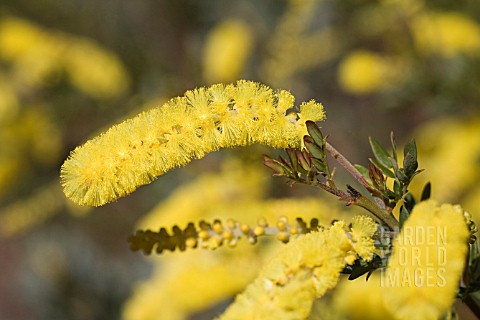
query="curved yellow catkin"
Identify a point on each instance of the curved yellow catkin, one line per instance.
(427, 262)
(138, 150)
(305, 269)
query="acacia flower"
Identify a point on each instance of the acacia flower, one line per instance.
(138, 150)
(427, 261)
(304, 270)
(362, 230)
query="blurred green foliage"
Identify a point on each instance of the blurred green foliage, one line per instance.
(70, 68)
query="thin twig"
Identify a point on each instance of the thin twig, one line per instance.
(347, 165)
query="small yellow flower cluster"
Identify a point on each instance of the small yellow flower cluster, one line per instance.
(36, 54)
(446, 34)
(362, 231)
(302, 271)
(28, 212)
(204, 120)
(451, 160)
(363, 72)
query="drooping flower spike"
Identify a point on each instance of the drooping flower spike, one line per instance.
(138, 150)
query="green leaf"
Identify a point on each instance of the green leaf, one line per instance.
(410, 148)
(364, 172)
(319, 165)
(280, 168)
(292, 156)
(394, 146)
(384, 169)
(315, 133)
(409, 202)
(401, 176)
(404, 214)
(396, 188)
(315, 150)
(410, 165)
(427, 189)
(303, 162)
(376, 176)
(380, 154)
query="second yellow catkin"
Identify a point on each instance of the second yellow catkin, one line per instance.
(138, 150)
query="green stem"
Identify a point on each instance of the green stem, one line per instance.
(386, 218)
(361, 201)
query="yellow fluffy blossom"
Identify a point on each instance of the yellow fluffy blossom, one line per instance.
(363, 72)
(450, 160)
(28, 212)
(226, 51)
(193, 281)
(362, 231)
(428, 259)
(446, 33)
(303, 270)
(136, 151)
(37, 53)
(98, 73)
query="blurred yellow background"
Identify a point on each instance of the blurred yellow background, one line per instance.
(70, 69)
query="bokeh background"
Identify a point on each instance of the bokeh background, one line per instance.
(70, 69)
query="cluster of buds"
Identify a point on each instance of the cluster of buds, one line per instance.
(213, 235)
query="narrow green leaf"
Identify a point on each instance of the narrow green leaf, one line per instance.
(279, 168)
(319, 165)
(384, 169)
(401, 176)
(410, 165)
(410, 148)
(396, 188)
(427, 189)
(404, 214)
(409, 202)
(315, 133)
(394, 146)
(359, 271)
(302, 161)
(364, 172)
(377, 176)
(292, 156)
(380, 154)
(315, 150)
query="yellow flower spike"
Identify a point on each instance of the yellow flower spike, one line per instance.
(303, 270)
(138, 150)
(427, 262)
(446, 34)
